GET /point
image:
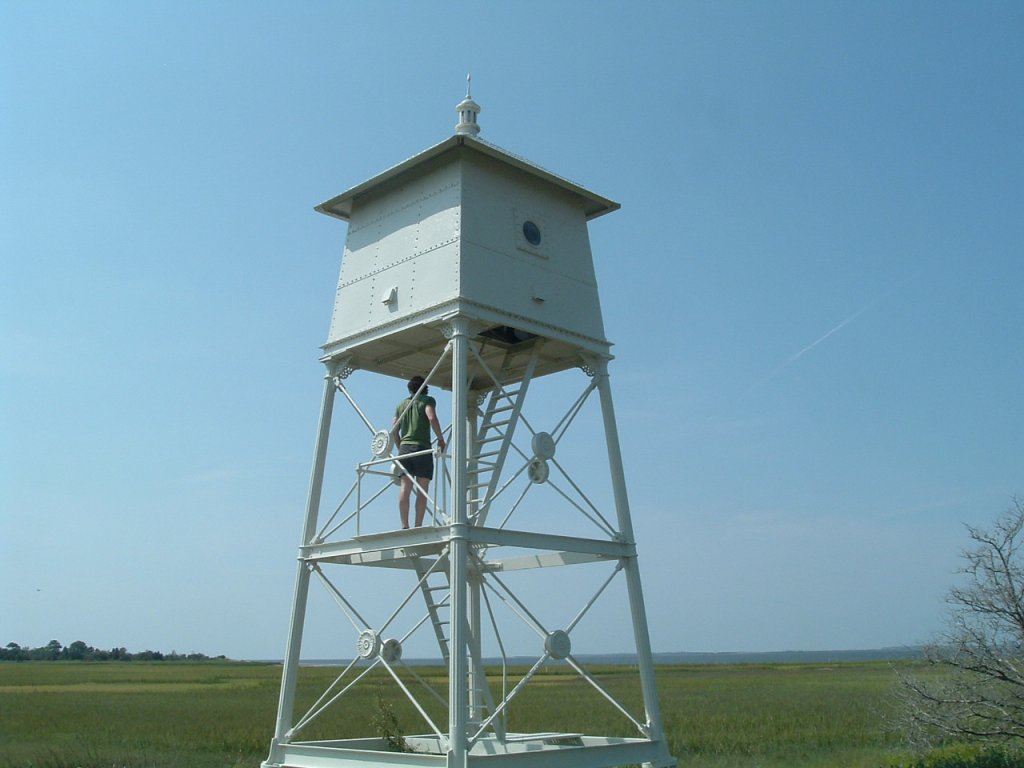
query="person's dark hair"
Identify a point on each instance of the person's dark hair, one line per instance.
(414, 385)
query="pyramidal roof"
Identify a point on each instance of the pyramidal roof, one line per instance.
(594, 205)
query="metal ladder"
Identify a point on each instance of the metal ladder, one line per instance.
(436, 590)
(480, 693)
(435, 606)
(493, 438)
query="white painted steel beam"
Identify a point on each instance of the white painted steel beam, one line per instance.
(425, 540)
(528, 540)
(429, 540)
(458, 553)
(527, 562)
(293, 648)
(529, 752)
(634, 589)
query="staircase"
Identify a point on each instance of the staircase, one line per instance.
(493, 439)
(436, 592)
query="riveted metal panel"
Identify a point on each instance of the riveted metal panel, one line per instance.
(549, 277)
(402, 252)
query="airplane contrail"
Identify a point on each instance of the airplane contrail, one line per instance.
(813, 344)
(805, 350)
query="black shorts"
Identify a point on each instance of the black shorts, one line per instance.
(417, 466)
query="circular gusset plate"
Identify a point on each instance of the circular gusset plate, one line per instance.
(381, 443)
(538, 471)
(391, 650)
(543, 446)
(557, 644)
(368, 644)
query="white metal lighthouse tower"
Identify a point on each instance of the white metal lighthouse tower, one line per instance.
(470, 267)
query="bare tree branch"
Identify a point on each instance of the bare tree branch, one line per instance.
(973, 684)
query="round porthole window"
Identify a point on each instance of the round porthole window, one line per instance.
(531, 232)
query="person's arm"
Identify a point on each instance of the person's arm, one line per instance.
(431, 414)
(395, 437)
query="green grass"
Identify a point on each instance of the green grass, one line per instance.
(782, 715)
(135, 714)
(221, 715)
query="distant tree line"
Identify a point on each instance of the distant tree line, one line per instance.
(79, 651)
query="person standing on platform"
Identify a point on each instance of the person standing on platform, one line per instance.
(415, 417)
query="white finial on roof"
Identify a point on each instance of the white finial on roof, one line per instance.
(467, 110)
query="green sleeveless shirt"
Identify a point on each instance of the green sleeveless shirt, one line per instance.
(415, 426)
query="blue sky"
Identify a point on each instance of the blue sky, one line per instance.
(814, 288)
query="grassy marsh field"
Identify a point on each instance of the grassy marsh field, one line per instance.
(221, 715)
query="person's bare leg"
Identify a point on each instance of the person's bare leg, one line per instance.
(403, 500)
(421, 500)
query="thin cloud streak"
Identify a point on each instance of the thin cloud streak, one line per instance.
(812, 345)
(804, 351)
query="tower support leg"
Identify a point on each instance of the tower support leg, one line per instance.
(289, 676)
(638, 612)
(458, 671)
